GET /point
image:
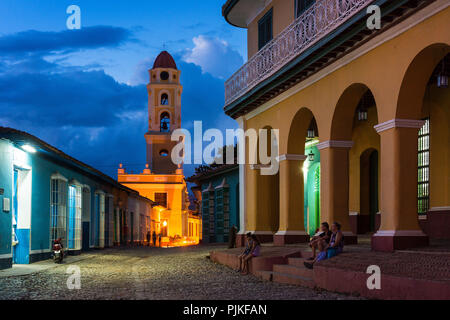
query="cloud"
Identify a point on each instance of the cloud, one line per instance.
(82, 110)
(214, 56)
(39, 42)
(64, 96)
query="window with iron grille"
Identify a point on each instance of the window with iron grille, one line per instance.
(161, 199)
(302, 5)
(265, 29)
(74, 228)
(58, 206)
(423, 192)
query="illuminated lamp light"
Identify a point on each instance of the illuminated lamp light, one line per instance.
(311, 156)
(164, 223)
(29, 148)
(362, 114)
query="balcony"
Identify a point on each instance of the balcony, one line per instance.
(314, 24)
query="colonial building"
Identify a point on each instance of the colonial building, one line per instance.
(217, 192)
(372, 101)
(162, 180)
(45, 194)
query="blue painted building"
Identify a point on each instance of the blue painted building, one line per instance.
(46, 194)
(217, 194)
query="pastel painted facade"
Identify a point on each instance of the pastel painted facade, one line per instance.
(380, 101)
(162, 180)
(45, 194)
(217, 193)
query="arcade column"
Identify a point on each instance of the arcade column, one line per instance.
(291, 229)
(399, 219)
(334, 185)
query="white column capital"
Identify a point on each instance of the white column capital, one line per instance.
(343, 144)
(399, 123)
(293, 157)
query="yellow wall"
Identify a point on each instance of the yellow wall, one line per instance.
(396, 72)
(437, 107)
(283, 15)
(364, 137)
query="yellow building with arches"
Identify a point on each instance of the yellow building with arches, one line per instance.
(315, 66)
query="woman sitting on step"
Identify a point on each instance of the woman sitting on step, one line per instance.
(255, 252)
(247, 251)
(335, 247)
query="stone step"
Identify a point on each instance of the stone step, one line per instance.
(293, 279)
(264, 275)
(294, 270)
(298, 262)
(306, 254)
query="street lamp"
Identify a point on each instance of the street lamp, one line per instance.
(29, 148)
(311, 132)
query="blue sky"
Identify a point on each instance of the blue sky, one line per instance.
(84, 90)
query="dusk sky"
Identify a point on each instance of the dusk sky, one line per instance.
(84, 92)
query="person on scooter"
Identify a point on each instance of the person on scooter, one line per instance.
(57, 245)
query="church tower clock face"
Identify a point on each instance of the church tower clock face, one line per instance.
(164, 109)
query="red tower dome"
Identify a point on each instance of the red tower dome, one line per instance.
(164, 60)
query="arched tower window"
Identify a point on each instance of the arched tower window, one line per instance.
(165, 122)
(164, 99)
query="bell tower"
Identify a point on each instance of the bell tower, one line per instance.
(164, 110)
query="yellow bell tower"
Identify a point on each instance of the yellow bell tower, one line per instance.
(163, 181)
(164, 109)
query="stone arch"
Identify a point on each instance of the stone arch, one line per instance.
(298, 131)
(344, 112)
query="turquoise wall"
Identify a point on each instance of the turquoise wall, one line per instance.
(42, 170)
(6, 172)
(43, 166)
(232, 179)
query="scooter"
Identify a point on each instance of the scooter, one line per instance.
(58, 252)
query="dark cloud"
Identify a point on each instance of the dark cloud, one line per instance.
(38, 42)
(69, 97)
(85, 112)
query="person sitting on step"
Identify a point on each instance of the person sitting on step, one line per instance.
(255, 252)
(335, 247)
(321, 238)
(248, 248)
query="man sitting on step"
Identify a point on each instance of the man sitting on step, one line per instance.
(332, 249)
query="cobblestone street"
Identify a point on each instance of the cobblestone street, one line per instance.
(152, 273)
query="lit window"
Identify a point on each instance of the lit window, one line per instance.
(423, 192)
(74, 228)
